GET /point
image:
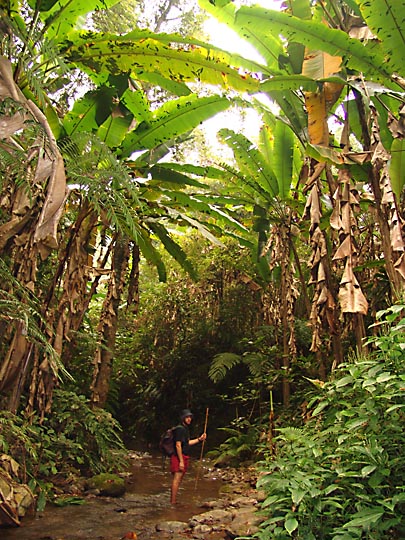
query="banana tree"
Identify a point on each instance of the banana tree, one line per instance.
(32, 213)
(329, 68)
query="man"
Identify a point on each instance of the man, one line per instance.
(182, 442)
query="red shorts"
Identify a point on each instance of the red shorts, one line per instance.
(174, 463)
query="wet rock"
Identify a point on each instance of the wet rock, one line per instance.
(245, 523)
(171, 526)
(243, 501)
(213, 516)
(109, 485)
(202, 528)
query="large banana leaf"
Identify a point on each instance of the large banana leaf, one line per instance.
(397, 166)
(113, 131)
(150, 253)
(197, 170)
(268, 46)
(289, 82)
(172, 247)
(173, 118)
(90, 111)
(385, 18)
(317, 36)
(283, 157)
(61, 16)
(173, 57)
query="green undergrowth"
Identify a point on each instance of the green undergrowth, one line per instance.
(74, 440)
(341, 476)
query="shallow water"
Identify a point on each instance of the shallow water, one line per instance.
(145, 504)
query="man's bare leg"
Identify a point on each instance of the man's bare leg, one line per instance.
(177, 478)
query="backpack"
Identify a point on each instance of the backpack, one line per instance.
(166, 443)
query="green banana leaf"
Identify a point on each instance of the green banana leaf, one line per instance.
(166, 176)
(386, 20)
(173, 57)
(317, 36)
(113, 131)
(173, 118)
(61, 17)
(397, 166)
(283, 157)
(268, 46)
(150, 253)
(173, 248)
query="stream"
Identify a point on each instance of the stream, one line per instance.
(145, 503)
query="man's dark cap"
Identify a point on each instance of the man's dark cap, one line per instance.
(185, 413)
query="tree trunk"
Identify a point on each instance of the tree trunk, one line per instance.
(108, 324)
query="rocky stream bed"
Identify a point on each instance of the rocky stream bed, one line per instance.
(213, 504)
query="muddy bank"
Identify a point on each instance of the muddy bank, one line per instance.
(213, 505)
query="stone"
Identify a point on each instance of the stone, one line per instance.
(171, 526)
(202, 528)
(109, 485)
(213, 516)
(245, 523)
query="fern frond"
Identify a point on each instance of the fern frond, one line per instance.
(221, 364)
(106, 182)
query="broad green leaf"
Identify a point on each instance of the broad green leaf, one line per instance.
(315, 36)
(90, 111)
(174, 87)
(297, 495)
(344, 381)
(63, 15)
(114, 129)
(397, 166)
(173, 248)
(172, 119)
(293, 111)
(291, 524)
(41, 5)
(137, 103)
(202, 229)
(283, 157)
(197, 170)
(166, 174)
(386, 20)
(266, 141)
(142, 51)
(199, 204)
(289, 82)
(268, 46)
(365, 471)
(365, 518)
(150, 253)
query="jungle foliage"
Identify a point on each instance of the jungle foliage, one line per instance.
(341, 475)
(91, 197)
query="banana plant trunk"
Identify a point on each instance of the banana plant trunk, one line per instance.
(108, 325)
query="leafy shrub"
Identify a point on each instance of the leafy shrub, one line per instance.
(342, 475)
(241, 444)
(74, 439)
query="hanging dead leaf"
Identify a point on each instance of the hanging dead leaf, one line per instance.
(345, 249)
(400, 265)
(351, 297)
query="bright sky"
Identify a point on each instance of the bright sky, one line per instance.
(223, 37)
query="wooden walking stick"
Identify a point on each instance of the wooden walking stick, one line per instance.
(202, 449)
